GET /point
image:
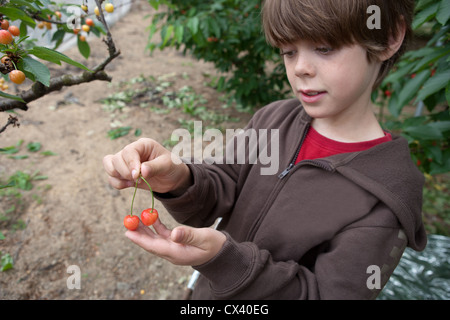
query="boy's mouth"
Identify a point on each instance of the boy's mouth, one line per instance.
(311, 96)
(311, 93)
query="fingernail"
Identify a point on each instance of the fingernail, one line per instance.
(134, 174)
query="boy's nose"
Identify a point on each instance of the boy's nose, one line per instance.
(303, 67)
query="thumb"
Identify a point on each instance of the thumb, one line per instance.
(186, 235)
(155, 167)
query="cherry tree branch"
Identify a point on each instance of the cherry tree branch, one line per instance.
(39, 90)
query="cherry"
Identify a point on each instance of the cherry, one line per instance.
(17, 76)
(15, 31)
(149, 216)
(5, 37)
(89, 22)
(5, 59)
(131, 222)
(5, 24)
(109, 7)
(85, 28)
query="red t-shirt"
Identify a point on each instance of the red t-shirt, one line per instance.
(317, 146)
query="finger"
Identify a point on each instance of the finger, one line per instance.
(187, 235)
(130, 162)
(109, 167)
(148, 240)
(120, 184)
(126, 163)
(158, 166)
(161, 229)
(140, 234)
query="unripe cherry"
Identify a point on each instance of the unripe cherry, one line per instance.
(17, 76)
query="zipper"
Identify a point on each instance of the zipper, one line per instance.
(323, 164)
(292, 164)
(276, 189)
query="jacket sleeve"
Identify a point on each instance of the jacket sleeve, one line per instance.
(355, 264)
(214, 190)
(211, 196)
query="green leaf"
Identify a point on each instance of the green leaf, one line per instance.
(443, 14)
(168, 34)
(425, 15)
(10, 96)
(118, 132)
(424, 132)
(9, 150)
(193, 25)
(37, 69)
(17, 14)
(34, 146)
(408, 92)
(434, 84)
(137, 132)
(48, 153)
(84, 48)
(56, 57)
(447, 93)
(19, 157)
(179, 32)
(435, 168)
(8, 185)
(6, 262)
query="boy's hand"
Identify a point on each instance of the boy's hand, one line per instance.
(150, 159)
(181, 246)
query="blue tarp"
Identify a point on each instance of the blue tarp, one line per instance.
(422, 275)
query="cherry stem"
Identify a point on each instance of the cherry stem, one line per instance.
(151, 191)
(134, 195)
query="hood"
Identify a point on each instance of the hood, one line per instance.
(388, 172)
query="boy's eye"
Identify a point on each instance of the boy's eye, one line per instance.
(324, 50)
(288, 53)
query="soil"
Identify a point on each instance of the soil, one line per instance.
(74, 217)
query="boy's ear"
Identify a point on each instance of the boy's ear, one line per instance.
(395, 43)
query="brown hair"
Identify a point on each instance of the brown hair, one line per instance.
(339, 23)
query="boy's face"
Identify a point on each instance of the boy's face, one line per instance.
(331, 84)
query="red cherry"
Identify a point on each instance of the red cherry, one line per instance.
(5, 37)
(131, 222)
(14, 31)
(4, 24)
(90, 22)
(149, 216)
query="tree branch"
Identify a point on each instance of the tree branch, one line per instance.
(11, 121)
(38, 90)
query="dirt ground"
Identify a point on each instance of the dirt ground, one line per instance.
(74, 217)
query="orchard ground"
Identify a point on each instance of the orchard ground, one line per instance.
(74, 217)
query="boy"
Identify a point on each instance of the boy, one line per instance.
(336, 218)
